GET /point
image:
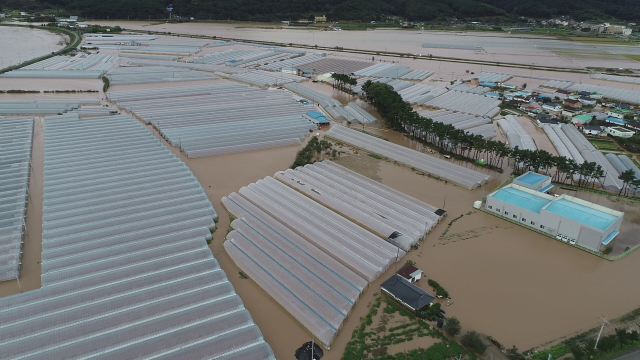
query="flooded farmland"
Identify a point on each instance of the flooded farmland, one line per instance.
(26, 44)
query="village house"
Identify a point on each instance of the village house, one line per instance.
(571, 104)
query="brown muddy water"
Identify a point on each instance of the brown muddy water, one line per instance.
(27, 44)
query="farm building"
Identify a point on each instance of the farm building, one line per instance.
(534, 181)
(407, 294)
(569, 219)
(410, 273)
(618, 131)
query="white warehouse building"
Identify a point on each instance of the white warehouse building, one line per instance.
(569, 219)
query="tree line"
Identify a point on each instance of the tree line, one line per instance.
(343, 82)
(400, 116)
(357, 10)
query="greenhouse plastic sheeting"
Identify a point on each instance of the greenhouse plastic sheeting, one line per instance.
(154, 74)
(126, 269)
(465, 102)
(266, 78)
(629, 96)
(492, 77)
(486, 131)
(590, 154)
(361, 204)
(16, 137)
(517, 135)
(227, 118)
(457, 174)
(473, 89)
(557, 84)
(458, 120)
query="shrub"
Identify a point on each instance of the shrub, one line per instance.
(452, 326)
(472, 341)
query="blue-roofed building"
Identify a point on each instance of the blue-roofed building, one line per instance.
(488, 84)
(615, 121)
(317, 118)
(495, 95)
(567, 218)
(534, 181)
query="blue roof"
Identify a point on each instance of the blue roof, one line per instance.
(580, 213)
(616, 120)
(531, 178)
(608, 239)
(522, 199)
(489, 84)
(546, 188)
(493, 94)
(318, 116)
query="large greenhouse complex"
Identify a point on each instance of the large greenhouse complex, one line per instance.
(126, 268)
(314, 255)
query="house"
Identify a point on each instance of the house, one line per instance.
(531, 107)
(472, 81)
(552, 107)
(592, 130)
(322, 18)
(581, 119)
(634, 125)
(584, 93)
(508, 86)
(618, 131)
(494, 95)
(562, 94)
(614, 120)
(619, 113)
(407, 294)
(596, 96)
(410, 273)
(573, 104)
(622, 106)
(586, 100)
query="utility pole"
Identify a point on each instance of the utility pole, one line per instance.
(604, 321)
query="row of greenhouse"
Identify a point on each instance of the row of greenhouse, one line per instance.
(557, 84)
(628, 96)
(16, 137)
(384, 70)
(313, 261)
(456, 119)
(460, 175)
(126, 270)
(491, 77)
(42, 107)
(401, 226)
(465, 102)
(468, 88)
(516, 134)
(265, 78)
(154, 74)
(227, 118)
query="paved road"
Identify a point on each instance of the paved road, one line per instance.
(631, 356)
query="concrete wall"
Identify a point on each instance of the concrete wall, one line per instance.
(509, 211)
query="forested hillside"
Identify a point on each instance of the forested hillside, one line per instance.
(364, 10)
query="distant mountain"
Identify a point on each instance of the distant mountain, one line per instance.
(364, 10)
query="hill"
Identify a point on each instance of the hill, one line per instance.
(364, 10)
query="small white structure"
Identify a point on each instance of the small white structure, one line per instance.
(410, 273)
(618, 131)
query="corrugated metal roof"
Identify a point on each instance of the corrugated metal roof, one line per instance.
(583, 214)
(522, 199)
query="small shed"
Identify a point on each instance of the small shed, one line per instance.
(407, 294)
(534, 181)
(317, 118)
(410, 273)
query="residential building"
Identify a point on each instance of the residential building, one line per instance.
(573, 104)
(634, 125)
(614, 120)
(581, 119)
(618, 131)
(322, 18)
(593, 130)
(410, 273)
(588, 101)
(566, 218)
(619, 113)
(407, 294)
(531, 107)
(543, 121)
(553, 107)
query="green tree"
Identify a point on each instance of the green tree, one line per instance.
(452, 326)
(472, 341)
(607, 343)
(627, 178)
(578, 352)
(590, 348)
(514, 354)
(623, 336)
